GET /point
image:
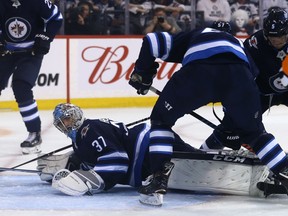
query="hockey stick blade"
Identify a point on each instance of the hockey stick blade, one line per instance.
(269, 189)
(19, 170)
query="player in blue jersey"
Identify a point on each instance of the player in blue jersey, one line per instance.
(268, 48)
(215, 68)
(111, 153)
(27, 29)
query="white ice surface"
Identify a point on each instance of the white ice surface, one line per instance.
(23, 194)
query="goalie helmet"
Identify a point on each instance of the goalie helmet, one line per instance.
(68, 118)
(276, 23)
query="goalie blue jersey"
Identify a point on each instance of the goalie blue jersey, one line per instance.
(186, 47)
(112, 150)
(20, 21)
(118, 154)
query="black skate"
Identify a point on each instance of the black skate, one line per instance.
(280, 185)
(153, 189)
(32, 144)
(283, 178)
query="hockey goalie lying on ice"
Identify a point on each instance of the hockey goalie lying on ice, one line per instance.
(107, 153)
(227, 172)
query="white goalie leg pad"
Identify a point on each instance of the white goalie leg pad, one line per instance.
(217, 176)
(155, 199)
(80, 182)
(50, 165)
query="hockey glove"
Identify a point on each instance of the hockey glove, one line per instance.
(41, 45)
(220, 139)
(51, 164)
(141, 80)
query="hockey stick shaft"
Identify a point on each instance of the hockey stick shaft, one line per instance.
(197, 116)
(42, 156)
(136, 122)
(11, 52)
(19, 170)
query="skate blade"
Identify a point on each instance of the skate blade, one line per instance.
(154, 199)
(31, 150)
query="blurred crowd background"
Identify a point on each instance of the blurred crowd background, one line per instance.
(138, 17)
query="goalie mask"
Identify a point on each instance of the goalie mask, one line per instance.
(68, 118)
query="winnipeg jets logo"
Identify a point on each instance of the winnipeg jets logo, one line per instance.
(16, 3)
(84, 131)
(18, 29)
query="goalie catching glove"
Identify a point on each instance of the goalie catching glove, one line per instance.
(78, 182)
(50, 165)
(141, 80)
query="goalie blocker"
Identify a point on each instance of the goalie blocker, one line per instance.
(225, 172)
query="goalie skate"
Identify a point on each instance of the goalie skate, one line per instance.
(32, 144)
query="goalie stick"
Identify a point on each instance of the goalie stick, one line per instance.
(269, 188)
(136, 122)
(42, 156)
(19, 170)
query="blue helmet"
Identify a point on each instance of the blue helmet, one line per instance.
(276, 23)
(222, 26)
(68, 118)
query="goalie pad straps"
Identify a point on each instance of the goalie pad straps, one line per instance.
(80, 182)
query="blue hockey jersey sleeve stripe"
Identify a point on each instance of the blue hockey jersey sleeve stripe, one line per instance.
(205, 50)
(168, 45)
(156, 43)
